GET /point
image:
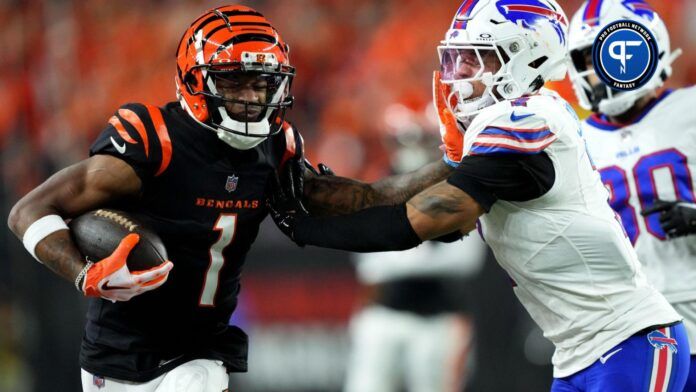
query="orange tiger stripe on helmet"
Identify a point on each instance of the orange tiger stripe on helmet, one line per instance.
(163, 136)
(121, 130)
(216, 38)
(222, 40)
(137, 123)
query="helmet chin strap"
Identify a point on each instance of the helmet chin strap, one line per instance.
(467, 110)
(242, 142)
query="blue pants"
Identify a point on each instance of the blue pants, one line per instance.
(657, 360)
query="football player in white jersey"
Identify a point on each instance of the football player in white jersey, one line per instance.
(523, 172)
(642, 142)
(414, 331)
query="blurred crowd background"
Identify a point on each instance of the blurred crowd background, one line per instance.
(363, 81)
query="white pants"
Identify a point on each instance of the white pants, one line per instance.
(393, 349)
(199, 375)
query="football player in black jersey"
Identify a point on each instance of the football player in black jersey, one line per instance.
(198, 172)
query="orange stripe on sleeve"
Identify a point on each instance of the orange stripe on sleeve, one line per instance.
(135, 121)
(121, 130)
(163, 136)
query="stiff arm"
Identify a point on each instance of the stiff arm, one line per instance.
(434, 212)
(332, 195)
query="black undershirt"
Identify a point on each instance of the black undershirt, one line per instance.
(504, 177)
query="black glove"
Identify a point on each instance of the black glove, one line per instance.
(284, 208)
(292, 179)
(323, 169)
(677, 218)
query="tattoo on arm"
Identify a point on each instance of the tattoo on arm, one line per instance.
(338, 195)
(442, 209)
(437, 203)
(61, 255)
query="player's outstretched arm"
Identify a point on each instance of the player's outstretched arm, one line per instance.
(333, 195)
(439, 210)
(70, 192)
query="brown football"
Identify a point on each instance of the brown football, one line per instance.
(98, 233)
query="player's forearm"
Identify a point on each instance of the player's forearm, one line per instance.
(70, 192)
(375, 229)
(338, 195)
(57, 251)
(442, 209)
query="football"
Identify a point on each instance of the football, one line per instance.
(98, 233)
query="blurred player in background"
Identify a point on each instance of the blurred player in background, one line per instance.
(524, 174)
(413, 332)
(644, 144)
(198, 172)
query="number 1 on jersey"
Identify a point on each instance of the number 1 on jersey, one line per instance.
(226, 225)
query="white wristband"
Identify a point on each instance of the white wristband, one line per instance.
(41, 229)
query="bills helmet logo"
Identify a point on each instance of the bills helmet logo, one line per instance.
(640, 8)
(529, 13)
(231, 184)
(659, 340)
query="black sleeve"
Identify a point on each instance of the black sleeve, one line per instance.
(375, 229)
(506, 177)
(131, 136)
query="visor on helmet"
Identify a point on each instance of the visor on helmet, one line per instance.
(468, 63)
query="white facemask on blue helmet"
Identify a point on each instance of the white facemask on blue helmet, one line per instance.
(526, 39)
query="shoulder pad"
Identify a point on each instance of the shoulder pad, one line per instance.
(515, 130)
(143, 127)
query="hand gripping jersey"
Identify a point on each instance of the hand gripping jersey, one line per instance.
(206, 201)
(653, 157)
(572, 266)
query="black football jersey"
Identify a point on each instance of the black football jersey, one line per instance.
(205, 200)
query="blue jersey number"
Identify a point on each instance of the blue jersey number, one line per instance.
(615, 179)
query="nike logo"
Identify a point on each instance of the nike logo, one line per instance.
(605, 358)
(121, 149)
(513, 117)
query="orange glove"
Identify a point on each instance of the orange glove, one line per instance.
(111, 279)
(452, 137)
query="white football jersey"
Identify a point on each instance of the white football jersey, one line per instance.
(652, 158)
(573, 267)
